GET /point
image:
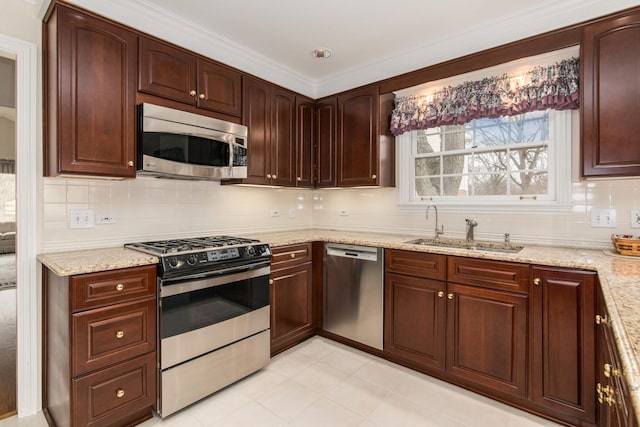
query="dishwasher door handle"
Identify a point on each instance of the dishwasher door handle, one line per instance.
(346, 253)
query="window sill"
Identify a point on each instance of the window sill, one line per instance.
(519, 207)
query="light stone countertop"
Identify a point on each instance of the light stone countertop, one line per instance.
(619, 276)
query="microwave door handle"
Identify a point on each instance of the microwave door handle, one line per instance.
(231, 147)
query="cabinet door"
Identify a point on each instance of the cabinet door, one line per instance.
(358, 138)
(563, 355)
(219, 88)
(326, 142)
(487, 337)
(256, 115)
(91, 74)
(305, 147)
(283, 140)
(291, 306)
(414, 319)
(610, 89)
(167, 72)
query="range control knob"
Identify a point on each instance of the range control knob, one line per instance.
(192, 259)
(173, 262)
(250, 251)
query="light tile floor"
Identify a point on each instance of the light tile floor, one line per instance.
(323, 383)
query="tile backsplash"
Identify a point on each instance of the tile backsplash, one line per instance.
(149, 208)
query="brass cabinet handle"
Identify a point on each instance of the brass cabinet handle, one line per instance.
(536, 281)
(440, 294)
(130, 163)
(610, 371)
(119, 393)
(450, 296)
(193, 92)
(119, 287)
(601, 320)
(201, 96)
(119, 334)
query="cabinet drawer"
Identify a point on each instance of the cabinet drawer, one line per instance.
(285, 256)
(419, 264)
(110, 287)
(107, 396)
(491, 274)
(105, 336)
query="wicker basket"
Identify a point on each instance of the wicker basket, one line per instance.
(626, 246)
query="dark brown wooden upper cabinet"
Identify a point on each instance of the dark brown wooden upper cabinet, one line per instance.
(610, 92)
(176, 74)
(326, 136)
(269, 113)
(365, 155)
(90, 88)
(305, 137)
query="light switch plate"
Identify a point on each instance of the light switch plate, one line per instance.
(635, 218)
(81, 218)
(605, 218)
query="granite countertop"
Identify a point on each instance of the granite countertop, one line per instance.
(619, 276)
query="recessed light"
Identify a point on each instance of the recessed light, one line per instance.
(321, 53)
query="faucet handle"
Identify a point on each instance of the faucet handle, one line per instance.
(507, 239)
(471, 222)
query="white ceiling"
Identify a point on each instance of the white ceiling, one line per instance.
(370, 39)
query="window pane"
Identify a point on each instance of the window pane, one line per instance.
(529, 183)
(455, 186)
(428, 166)
(492, 161)
(429, 141)
(530, 159)
(494, 184)
(454, 164)
(427, 187)
(454, 137)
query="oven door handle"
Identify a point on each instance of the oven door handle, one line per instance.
(207, 280)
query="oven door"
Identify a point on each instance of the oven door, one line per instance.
(199, 316)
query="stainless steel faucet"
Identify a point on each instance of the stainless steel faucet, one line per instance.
(437, 231)
(471, 224)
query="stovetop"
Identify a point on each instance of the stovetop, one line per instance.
(201, 255)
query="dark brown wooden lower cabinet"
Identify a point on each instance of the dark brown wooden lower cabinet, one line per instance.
(563, 343)
(291, 297)
(487, 337)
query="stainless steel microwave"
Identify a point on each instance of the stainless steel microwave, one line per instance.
(177, 144)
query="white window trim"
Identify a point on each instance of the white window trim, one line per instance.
(560, 180)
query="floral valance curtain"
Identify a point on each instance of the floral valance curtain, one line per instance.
(540, 88)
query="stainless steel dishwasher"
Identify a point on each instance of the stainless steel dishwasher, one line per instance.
(353, 293)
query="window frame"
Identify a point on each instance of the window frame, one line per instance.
(559, 178)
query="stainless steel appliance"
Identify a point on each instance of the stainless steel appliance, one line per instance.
(178, 144)
(213, 315)
(353, 293)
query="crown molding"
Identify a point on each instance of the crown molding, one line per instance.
(539, 18)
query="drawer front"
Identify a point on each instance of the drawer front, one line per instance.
(418, 264)
(490, 274)
(105, 336)
(110, 287)
(107, 396)
(286, 256)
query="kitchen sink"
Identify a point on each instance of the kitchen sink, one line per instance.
(463, 244)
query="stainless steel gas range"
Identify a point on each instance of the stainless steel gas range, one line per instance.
(213, 315)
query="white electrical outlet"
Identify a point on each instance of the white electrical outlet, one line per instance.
(344, 212)
(603, 218)
(275, 212)
(81, 218)
(635, 218)
(292, 213)
(105, 219)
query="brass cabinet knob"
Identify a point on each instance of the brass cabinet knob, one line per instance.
(440, 294)
(536, 281)
(274, 176)
(119, 393)
(299, 179)
(610, 371)
(201, 96)
(271, 281)
(119, 287)
(374, 176)
(193, 92)
(130, 163)
(601, 320)
(292, 255)
(119, 334)
(450, 296)
(268, 176)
